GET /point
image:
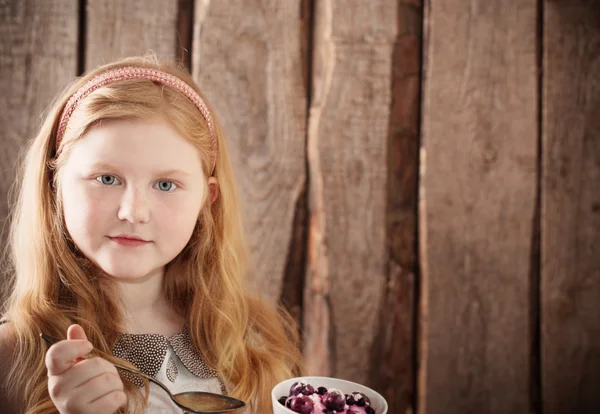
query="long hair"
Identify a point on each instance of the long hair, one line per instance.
(251, 344)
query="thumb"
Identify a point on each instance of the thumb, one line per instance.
(76, 332)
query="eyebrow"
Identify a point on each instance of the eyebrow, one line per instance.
(105, 166)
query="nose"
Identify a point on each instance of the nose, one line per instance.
(134, 207)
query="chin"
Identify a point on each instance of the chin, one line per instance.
(128, 273)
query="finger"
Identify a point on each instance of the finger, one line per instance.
(76, 332)
(99, 386)
(61, 356)
(78, 375)
(108, 403)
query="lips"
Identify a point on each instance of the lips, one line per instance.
(128, 240)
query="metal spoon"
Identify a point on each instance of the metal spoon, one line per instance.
(194, 401)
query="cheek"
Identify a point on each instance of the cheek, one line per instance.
(85, 211)
(177, 219)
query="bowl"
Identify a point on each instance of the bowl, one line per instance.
(283, 388)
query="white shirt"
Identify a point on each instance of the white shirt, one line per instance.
(173, 361)
(160, 403)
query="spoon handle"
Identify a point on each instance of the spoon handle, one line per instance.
(52, 341)
(141, 374)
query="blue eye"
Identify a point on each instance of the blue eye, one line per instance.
(108, 179)
(166, 186)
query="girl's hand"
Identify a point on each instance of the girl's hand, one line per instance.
(77, 385)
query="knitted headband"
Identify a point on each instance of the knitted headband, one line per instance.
(131, 72)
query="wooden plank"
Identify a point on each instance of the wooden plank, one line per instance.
(393, 367)
(347, 150)
(185, 30)
(116, 29)
(570, 270)
(38, 57)
(292, 294)
(247, 60)
(477, 201)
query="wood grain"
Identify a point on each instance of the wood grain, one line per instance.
(393, 357)
(570, 271)
(477, 202)
(292, 295)
(347, 150)
(116, 29)
(247, 59)
(185, 30)
(38, 57)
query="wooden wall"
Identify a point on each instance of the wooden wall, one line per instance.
(570, 207)
(420, 179)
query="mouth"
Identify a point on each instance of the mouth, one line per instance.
(128, 240)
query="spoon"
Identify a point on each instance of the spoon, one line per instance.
(194, 401)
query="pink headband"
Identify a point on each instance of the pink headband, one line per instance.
(131, 72)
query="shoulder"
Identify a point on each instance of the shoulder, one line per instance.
(7, 354)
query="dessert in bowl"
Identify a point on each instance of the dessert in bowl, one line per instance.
(325, 395)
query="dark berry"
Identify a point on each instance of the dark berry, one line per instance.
(282, 400)
(350, 399)
(288, 402)
(302, 404)
(369, 410)
(360, 399)
(321, 390)
(334, 400)
(301, 388)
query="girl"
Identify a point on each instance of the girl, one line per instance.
(126, 238)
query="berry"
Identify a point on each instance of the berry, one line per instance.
(361, 399)
(301, 404)
(301, 388)
(321, 390)
(334, 400)
(369, 410)
(350, 399)
(282, 400)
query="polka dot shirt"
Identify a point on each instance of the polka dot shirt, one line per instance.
(172, 360)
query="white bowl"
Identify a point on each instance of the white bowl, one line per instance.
(283, 388)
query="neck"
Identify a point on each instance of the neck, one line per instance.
(145, 308)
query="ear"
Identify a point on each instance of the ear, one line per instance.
(213, 188)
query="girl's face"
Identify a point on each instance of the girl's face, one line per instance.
(132, 192)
